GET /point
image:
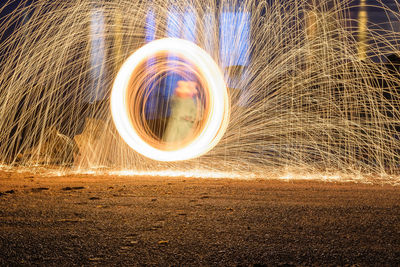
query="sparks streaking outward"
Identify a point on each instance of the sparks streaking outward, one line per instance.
(307, 86)
(129, 87)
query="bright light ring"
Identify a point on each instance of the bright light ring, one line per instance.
(217, 116)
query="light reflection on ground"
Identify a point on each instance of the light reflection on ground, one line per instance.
(283, 175)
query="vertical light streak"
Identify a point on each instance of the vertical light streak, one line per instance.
(97, 54)
(174, 30)
(189, 26)
(234, 38)
(118, 40)
(311, 34)
(362, 48)
(174, 23)
(210, 33)
(150, 25)
(234, 48)
(152, 104)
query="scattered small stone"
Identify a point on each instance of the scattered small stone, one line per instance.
(130, 244)
(94, 198)
(204, 197)
(163, 242)
(130, 236)
(10, 192)
(95, 259)
(1, 194)
(110, 187)
(71, 220)
(68, 188)
(77, 187)
(181, 212)
(154, 199)
(39, 189)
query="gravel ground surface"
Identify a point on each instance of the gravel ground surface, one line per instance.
(111, 220)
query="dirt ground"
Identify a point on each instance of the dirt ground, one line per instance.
(115, 220)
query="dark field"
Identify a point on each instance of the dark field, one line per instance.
(111, 220)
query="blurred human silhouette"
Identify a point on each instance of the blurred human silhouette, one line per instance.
(183, 113)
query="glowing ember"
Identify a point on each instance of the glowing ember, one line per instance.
(215, 118)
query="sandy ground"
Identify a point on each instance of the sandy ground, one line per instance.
(111, 220)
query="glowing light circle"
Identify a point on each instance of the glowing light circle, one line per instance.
(216, 117)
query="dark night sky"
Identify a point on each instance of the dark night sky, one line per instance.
(375, 15)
